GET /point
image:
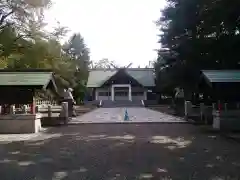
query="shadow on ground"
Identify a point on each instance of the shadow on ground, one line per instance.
(121, 151)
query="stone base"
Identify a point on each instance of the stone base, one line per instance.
(52, 121)
(20, 123)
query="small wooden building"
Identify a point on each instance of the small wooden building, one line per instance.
(18, 87)
(221, 85)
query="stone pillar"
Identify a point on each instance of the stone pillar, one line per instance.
(12, 109)
(112, 93)
(219, 105)
(25, 109)
(216, 120)
(96, 94)
(202, 108)
(225, 106)
(130, 93)
(145, 94)
(187, 108)
(37, 109)
(214, 106)
(64, 113)
(49, 111)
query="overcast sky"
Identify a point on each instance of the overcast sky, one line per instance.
(120, 30)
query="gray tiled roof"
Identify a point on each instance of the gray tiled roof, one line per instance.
(25, 78)
(215, 76)
(144, 76)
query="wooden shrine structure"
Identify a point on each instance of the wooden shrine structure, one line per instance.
(17, 88)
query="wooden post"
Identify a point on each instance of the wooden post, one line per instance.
(12, 109)
(49, 111)
(33, 107)
(238, 105)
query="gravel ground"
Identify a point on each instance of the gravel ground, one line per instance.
(135, 115)
(119, 152)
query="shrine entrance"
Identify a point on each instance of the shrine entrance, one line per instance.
(121, 92)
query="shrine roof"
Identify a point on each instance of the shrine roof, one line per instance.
(145, 76)
(222, 76)
(28, 78)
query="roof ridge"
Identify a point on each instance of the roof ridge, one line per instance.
(135, 69)
(102, 69)
(140, 69)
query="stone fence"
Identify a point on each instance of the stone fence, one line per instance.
(23, 121)
(45, 103)
(225, 118)
(200, 111)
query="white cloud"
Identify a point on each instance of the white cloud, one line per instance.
(121, 30)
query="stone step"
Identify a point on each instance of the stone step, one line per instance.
(121, 103)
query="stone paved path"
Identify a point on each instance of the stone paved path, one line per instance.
(136, 115)
(121, 152)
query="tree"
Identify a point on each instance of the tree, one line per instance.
(30, 46)
(17, 12)
(18, 19)
(203, 35)
(105, 64)
(197, 40)
(168, 71)
(78, 52)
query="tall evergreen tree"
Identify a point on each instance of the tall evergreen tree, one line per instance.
(203, 35)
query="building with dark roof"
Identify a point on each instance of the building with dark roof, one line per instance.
(121, 83)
